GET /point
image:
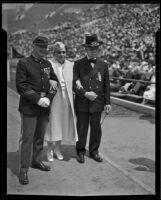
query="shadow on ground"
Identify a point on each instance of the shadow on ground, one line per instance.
(68, 152)
(148, 118)
(13, 162)
(143, 164)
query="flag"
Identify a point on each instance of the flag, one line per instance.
(15, 53)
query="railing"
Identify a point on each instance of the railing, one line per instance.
(137, 107)
(132, 80)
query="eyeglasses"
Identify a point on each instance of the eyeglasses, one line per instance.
(59, 52)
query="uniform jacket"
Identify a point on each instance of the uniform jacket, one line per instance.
(55, 122)
(32, 78)
(92, 79)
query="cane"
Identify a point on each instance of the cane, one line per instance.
(104, 118)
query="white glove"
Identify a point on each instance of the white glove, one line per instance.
(79, 85)
(40, 102)
(107, 108)
(91, 95)
(44, 102)
(54, 84)
(47, 101)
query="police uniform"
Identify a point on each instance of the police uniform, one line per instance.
(32, 82)
(94, 79)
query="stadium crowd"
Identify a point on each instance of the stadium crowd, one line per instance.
(127, 30)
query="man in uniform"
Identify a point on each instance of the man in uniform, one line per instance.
(32, 83)
(92, 97)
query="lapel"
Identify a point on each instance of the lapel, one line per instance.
(55, 66)
(86, 65)
(68, 77)
(67, 70)
(96, 67)
(91, 72)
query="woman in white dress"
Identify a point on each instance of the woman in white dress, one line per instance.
(62, 122)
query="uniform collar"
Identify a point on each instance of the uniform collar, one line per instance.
(36, 59)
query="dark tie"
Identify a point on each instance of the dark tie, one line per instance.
(92, 60)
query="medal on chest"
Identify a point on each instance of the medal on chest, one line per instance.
(99, 76)
(47, 71)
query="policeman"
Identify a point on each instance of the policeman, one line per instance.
(92, 87)
(32, 82)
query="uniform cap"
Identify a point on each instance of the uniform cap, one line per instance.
(41, 41)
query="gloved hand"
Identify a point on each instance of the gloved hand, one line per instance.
(44, 102)
(47, 101)
(54, 84)
(107, 108)
(91, 95)
(79, 85)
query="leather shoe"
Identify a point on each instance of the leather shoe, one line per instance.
(40, 165)
(58, 155)
(23, 178)
(50, 155)
(96, 157)
(80, 158)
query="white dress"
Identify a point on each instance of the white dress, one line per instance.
(62, 121)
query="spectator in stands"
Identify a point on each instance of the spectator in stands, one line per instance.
(116, 70)
(127, 84)
(91, 98)
(135, 87)
(115, 84)
(149, 93)
(144, 74)
(32, 82)
(62, 124)
(144, 66)
(137, 34)
(138, 87)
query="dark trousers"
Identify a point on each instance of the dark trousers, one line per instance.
(139, 88)
(83, 122)
(32, 138)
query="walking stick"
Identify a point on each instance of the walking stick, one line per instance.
(104, 118)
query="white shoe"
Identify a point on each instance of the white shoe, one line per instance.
(58, 155)
(50, 156)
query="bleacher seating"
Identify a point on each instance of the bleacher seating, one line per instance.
(128, 36)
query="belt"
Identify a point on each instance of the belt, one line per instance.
(42, 94)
